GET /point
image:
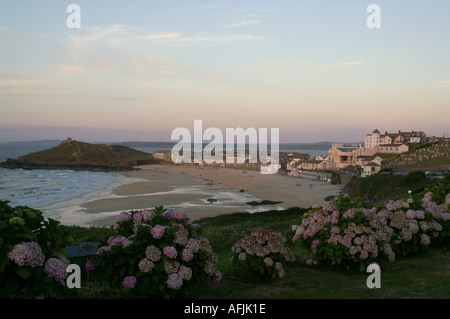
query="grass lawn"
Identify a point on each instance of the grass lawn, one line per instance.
(423, 275)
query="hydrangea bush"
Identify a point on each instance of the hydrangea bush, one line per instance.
(32, 255)
(263, 251)
(157, 253)
(343, 232)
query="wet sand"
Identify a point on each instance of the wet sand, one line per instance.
(292, 191)
(156, 183)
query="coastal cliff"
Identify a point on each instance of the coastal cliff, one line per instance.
(76, 155)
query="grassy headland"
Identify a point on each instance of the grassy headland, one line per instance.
(76, 155)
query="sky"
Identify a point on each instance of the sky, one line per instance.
(137, 70)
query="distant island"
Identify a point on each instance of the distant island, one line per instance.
(81, 156)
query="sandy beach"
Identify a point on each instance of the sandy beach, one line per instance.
(291, 191)
(170, 185)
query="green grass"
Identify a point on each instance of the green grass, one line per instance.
(380, 187)
(387, 156)
(422, 275)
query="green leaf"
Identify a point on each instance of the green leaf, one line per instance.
(362, 267)
(22, 272)
(29, 214)
(23, 235)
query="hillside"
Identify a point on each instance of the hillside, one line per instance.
(427, 157)
(76, 155)
(380, 187)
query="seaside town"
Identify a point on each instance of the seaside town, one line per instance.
(391, 153)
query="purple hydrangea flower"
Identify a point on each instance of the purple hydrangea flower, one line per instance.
(181, 215)
(124, 216)
(157, 231)
(55, 268)
(169, 214)
(137, 218)
(129, 282)
(90, 265)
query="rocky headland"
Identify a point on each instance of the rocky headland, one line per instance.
(81, 156)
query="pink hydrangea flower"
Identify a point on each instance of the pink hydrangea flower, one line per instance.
(425, 239)
(411, 214)
(420, 214)
(170, 252)
(187, 254)
(391, 206)
(268, 261)
(115, 240)
(217, 276)
(38, 256)
(129, 282)
(146, 265)
(148, 214)
(174, 282)
(185, 273)
(21, 255)
(193, 245)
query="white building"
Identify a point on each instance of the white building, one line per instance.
(375, 139)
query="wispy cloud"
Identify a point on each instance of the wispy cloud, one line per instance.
(180, 37)
(242, 23)
(120, 35)
(116, 49)
(342, 64)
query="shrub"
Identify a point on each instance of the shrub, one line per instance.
(262, 251)
(32, 255)
(156, 253)
(341, 232)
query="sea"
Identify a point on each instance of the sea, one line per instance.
(60, 194)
